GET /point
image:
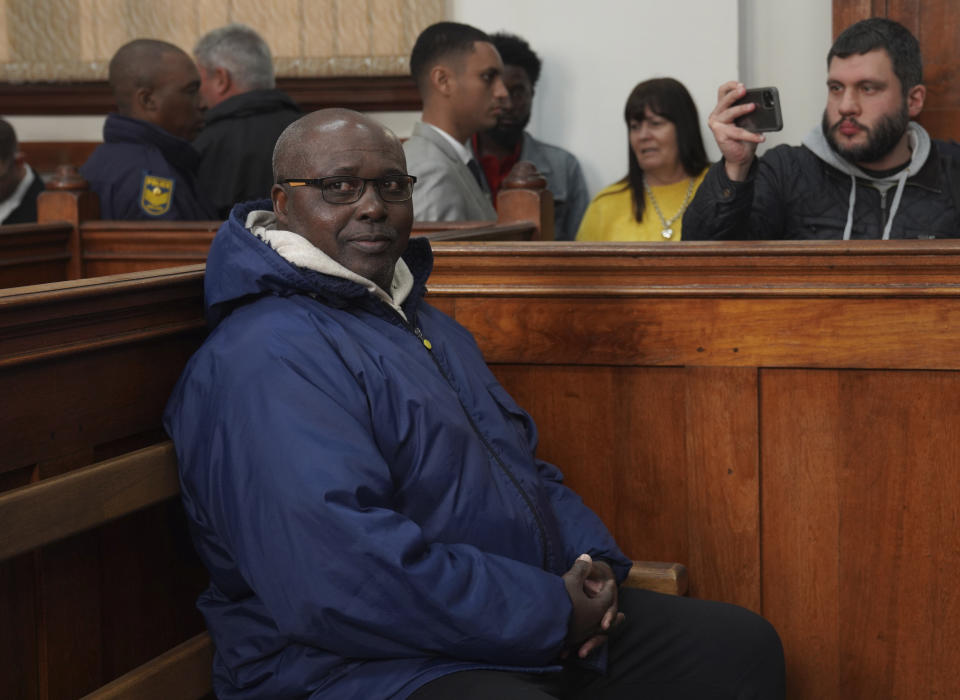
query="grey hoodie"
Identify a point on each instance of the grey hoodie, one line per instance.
(919, 147)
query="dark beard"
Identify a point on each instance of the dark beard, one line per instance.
(507, 137)
(880, 140)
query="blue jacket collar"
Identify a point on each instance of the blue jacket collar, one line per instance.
(179, 153)
(241, 267)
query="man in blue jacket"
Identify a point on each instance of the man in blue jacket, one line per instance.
(146, 167)
(367, 497)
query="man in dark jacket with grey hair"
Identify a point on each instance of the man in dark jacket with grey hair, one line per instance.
(867, 172)
(245, 115)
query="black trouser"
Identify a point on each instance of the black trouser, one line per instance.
(668, 647)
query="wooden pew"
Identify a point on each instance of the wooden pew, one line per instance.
(34, 253)
(70, 241)
(778, 415)
(94, 555)
(85, 370)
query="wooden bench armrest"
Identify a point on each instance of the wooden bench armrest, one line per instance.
(659, 576)
(183, 672)
(46, 511)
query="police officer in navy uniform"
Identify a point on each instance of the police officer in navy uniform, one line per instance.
(146, 167)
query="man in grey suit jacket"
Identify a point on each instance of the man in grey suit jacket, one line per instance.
(459, 74)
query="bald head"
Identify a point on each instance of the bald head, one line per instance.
(137, 65)
(293, 150)
(157, 82)
(329, 156)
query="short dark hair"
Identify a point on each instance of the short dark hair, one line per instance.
(438, 41)
(892, 37)
(667, 98)
(8, 141)
(135, 65)
(517, 52)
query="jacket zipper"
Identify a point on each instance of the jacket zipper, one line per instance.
(541, 529)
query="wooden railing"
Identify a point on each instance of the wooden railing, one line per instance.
(70, 241)
(93, 549)
(778, 415)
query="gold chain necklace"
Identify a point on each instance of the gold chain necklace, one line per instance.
(667, 231)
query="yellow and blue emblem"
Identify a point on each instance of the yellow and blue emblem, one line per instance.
(156, 195)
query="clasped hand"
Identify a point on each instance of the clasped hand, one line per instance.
(592, 588)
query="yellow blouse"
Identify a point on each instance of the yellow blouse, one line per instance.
(610, 215)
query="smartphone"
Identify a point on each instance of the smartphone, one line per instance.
(766, 116)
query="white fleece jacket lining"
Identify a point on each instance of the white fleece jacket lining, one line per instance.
(298, 251)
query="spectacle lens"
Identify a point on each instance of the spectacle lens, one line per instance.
(347, 189)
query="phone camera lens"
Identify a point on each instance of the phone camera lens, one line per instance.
(767, 98)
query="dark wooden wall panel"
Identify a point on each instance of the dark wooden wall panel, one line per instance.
(856, 474)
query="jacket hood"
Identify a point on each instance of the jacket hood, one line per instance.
(919, 147)
(244, 264)
(919, 141)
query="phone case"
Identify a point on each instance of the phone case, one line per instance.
(766, 116)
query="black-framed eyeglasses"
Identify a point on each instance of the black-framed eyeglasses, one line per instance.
(347, 189)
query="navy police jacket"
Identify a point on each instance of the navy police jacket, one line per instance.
(371, 510)
(141, 171)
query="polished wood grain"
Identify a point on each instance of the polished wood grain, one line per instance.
(182, 672)
(91, 364)
(34, 253)
(52, 509)
(777, 416)
(662, 577)
(870, 465)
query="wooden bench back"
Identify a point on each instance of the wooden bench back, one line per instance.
(778, 415)
(93, 548)
(70, 241)
(85, 369)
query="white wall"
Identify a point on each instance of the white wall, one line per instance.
(785, 44)
(595, 52)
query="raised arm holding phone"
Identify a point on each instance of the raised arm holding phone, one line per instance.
(866, 172)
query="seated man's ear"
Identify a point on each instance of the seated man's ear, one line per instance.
(279, 196)
(915, 99)
(441, 79)
(143, 101)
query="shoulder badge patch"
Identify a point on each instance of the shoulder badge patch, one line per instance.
(156, 194)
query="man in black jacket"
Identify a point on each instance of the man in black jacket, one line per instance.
(245, 115)
(867, 172)
(19, 183)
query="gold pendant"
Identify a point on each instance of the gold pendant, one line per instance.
(667, 233)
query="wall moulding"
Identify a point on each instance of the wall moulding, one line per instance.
(366, 94)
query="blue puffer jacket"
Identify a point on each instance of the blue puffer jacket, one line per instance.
(370, 510)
